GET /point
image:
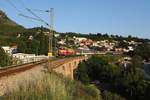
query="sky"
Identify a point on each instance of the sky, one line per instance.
(121, 17)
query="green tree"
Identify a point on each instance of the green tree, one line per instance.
(137, 61)
(5, 60)
(127, 81)
(81, 73)
(143, 50)
(21, 45)
(123, 44)
(42, 42)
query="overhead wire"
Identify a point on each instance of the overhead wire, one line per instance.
(25, 16)
(29, 17)
(22, 3)
(9, 1)
(39, 10)
(34, 14)
(20, 12)
(40, 19)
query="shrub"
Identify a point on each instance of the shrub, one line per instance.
(111, 96)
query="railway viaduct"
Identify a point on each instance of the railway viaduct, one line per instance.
(67, 67)
(11, 76)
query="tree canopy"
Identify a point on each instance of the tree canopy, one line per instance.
(5, 60)
(126, 81)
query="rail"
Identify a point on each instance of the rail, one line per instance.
(23, 67)
(59, 63)
(19, 68)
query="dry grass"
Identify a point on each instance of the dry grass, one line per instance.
(53, 87)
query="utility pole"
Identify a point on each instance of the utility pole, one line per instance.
(51, 26)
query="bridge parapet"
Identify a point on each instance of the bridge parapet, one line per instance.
(67, 66)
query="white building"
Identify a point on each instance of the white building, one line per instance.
(80, 39)
(56, 35)
(7, 49)
(131, 48)
(95, 44)
(62, 42)
(26, 58)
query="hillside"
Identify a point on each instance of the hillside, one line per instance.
(7, 25)
(4, 20)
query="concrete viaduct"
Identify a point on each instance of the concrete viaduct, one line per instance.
(67, 66)
(14, 75)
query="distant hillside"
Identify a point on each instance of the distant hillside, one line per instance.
(7, 25)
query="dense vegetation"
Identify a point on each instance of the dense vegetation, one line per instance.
(37, 45)
(53, 87)
(114, 78)
(7, 26)
(142, 50)
(5, 60)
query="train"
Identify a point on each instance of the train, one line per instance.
(66, 52)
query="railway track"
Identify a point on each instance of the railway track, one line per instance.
(11, 76)
(19, 68)
(60, 62)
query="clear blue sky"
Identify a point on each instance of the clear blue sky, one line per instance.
(123, 17)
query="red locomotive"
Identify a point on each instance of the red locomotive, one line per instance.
(66, 52)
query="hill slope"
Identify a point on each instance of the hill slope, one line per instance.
(4, 20)
(7, 25)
